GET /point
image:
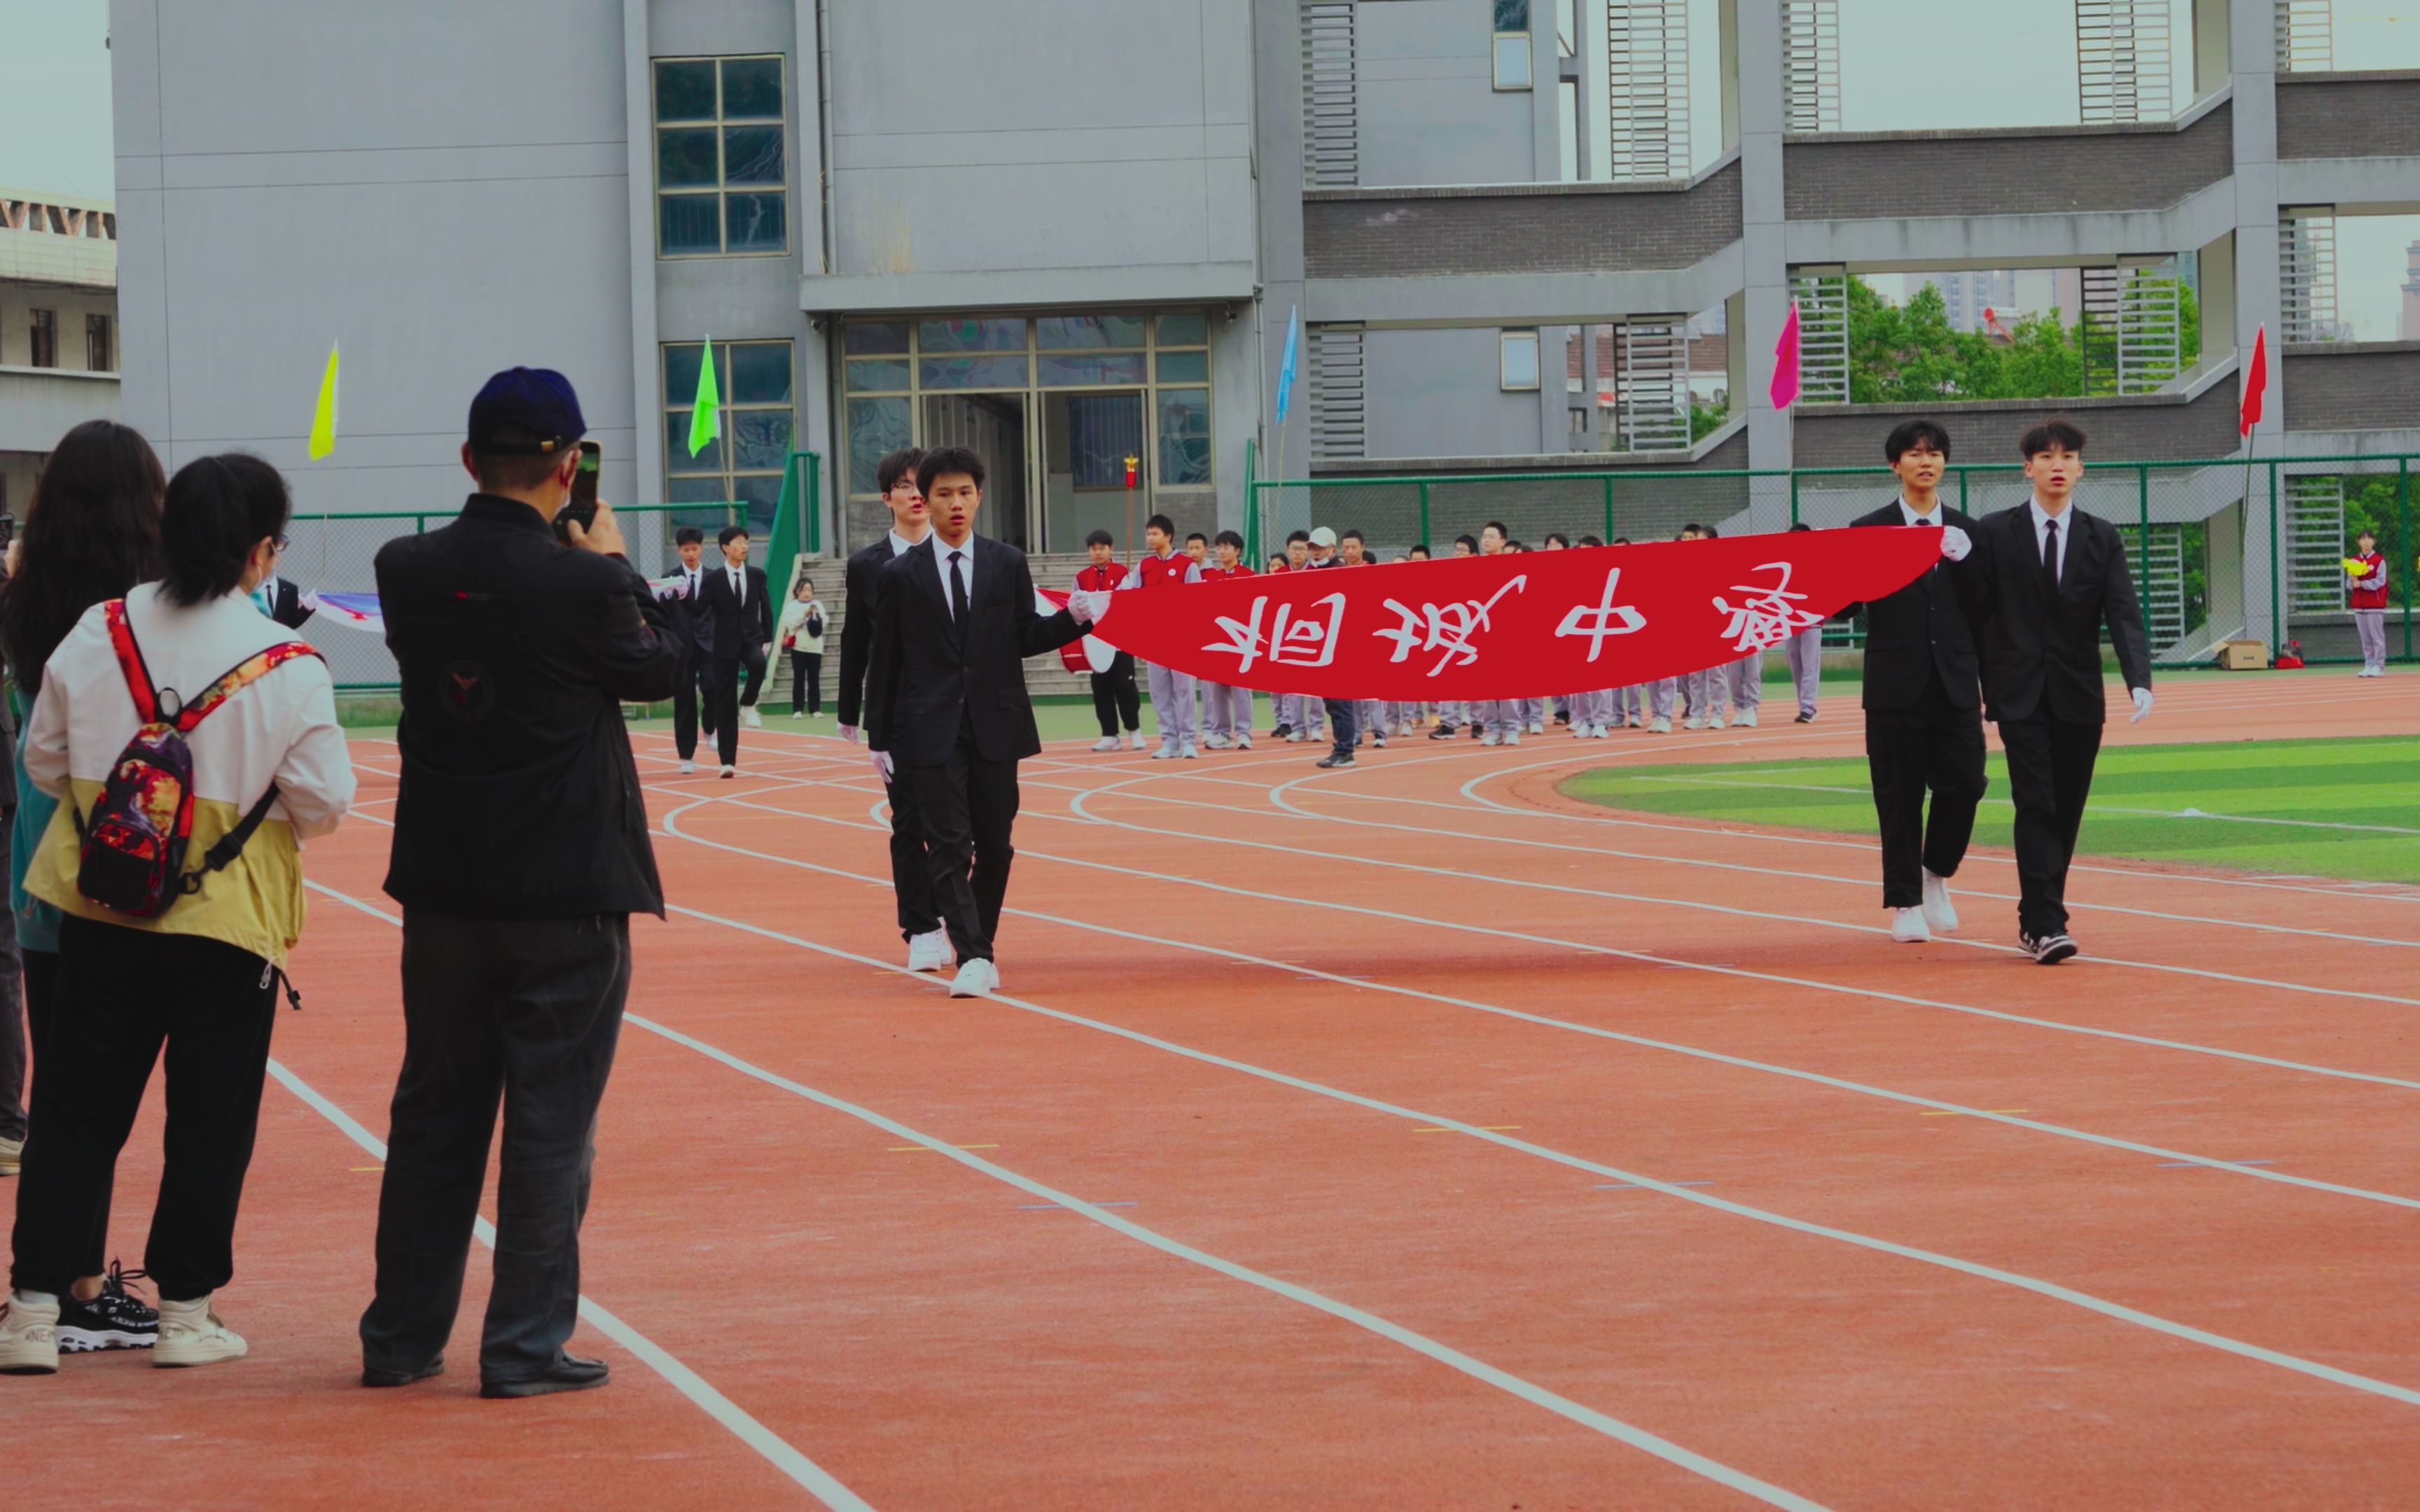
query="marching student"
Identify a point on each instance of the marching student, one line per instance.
(1352, 550)
(1456, 715)
(735, 599)
(2045, 578)
(1226, 712)
(694, 630)
(1743, 679)
(912, 882)
(1924, 720)
(2367, 600)
(1171, 692)
(1498, 720)
(1341, 713)
(1629, 711)
(1703, 692)
(1115, 698)
(947, 711)
(1297, 718)
(1805, 652)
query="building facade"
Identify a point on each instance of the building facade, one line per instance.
(1074, 234)
(58, 328)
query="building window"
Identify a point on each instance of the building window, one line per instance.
(98, 358)
(43, 350)
(721, 168)
(1512, 44)
(1516, 360)
(758, 413)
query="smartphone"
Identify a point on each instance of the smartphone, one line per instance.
(582, 506)
(7, 528)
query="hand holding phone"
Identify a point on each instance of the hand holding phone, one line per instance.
(581, 508)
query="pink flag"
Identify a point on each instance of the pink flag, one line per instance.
(1785, 361)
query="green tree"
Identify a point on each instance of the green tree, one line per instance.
(1912, 355)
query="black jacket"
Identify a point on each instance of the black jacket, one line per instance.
(288, 610)
(930, 676)
(692, 625)
(519, 798)
(1919, 631)
(861, 588)
(2041, 651)
(738, 629)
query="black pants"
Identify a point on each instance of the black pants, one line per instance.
(695, 689)
(1115, 698)
(968, 806)
(1342, 714)
(912, 874)
(13, 1040)
(2050, 776)
(754, 662)
(722, 710)
(123, 993)
(528, 1009)
(1937, 746)
(807, 681)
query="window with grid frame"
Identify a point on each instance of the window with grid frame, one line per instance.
(722, 159)
(758, 415)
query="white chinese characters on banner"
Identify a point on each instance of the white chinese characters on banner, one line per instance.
(1602, 619)
(1770, 618)
(1445, 627)
(1307, 641)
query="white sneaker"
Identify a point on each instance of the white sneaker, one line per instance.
(1109, 743)
(12, 1156)
(1512, 737)
(1165, 753)
(1185, 751)
(976, 978)
(1939, 911)
(1138, 740)
(928, 951)
(1659, 725)
(731, 771)
(1216, 742)
(29, 1336)
(687, 767)
(1715, 722)
(1378, 741)
(1491, 738)
(1242, 742)
(1638, 723)
(191, 1334)
(752, 719)
(798, 714)
(1908, 926)
(1745, 719)
(1293, 737)
(1537, 727)
(1694, 722)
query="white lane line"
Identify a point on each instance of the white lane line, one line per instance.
(1470, 1366)
(1643, 957)
(2171, 1157)
(815, 1480)
(2044, 1288)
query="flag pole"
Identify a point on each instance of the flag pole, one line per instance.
(2255, 384)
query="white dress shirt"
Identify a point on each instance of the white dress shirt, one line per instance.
(941, 550)
(2066, 518)
(900, 543)
(1907, 512)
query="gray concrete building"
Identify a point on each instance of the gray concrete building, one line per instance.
(1073, 231)
(58, 328)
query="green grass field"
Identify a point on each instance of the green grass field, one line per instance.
(2315, 808)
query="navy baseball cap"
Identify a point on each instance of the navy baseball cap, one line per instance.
(537, 401)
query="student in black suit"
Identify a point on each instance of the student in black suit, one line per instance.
(285, 601)
(1924, 716)
(740, 608)
(694, 631)
(947, 713)
(912, 882)
(2043, 580)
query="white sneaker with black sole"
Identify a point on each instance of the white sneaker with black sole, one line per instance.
(1939, 911)
(115, 1320)
(2049, 950)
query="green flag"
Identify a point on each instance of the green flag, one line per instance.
(323, 414)
(705, 419)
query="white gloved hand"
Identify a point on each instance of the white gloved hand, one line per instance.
(1954, 543)
(2142, 705)
(1088, 604)
(848, 732)
(883, 766)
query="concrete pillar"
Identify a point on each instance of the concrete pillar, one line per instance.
(646, 372)
(2257, 297)
(1756, 44)
(1277, 53)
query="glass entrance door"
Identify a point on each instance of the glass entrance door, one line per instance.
(1088, 441)
(993, 427)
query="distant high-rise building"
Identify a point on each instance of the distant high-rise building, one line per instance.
(2410, 330)
(1969, 294)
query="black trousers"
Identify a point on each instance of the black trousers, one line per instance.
(968, 807)
(722, 710)
(1342, 714)
(807, 681)
(911, 874)
(2050, 776)
(696, 687)
(1935, 747)
(123, 994)
(13, 1042)
(1115, 698)
(526, 1010)
(753, 660)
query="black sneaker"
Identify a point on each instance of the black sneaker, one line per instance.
(1332, 759)
(115, 1319)
(1281, 732)
(1445, 731)
(2048, 949)
(1804, 718)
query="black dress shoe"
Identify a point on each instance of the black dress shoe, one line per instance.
(374, 1375)
(570, 1372)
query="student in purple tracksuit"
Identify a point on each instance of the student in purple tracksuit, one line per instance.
(1805, 652)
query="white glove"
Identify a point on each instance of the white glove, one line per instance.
(1954, 544)
(882, 765)
(1088, 604)
(2142, 705)
(848, 732)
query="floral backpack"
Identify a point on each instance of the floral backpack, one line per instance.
(134, 842)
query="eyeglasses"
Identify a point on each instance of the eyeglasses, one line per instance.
(279, 543)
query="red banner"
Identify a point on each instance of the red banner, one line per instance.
(1527, 625)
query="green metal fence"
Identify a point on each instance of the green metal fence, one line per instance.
(2191, 525)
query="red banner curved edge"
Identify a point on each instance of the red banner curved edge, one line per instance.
(1532, 625)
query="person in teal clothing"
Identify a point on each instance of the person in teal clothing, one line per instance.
(91, 533)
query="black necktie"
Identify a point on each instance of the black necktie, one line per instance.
(957, 590)
(2050, 555)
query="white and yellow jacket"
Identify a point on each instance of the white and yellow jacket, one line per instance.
(280, 727)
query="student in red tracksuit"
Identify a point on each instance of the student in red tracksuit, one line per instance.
(2369, 603)
(1115, 697)
(1226, 712)
(1171, 692)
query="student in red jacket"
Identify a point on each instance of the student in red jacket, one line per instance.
(2368, 601)
(1226, 712)
(1115, 697)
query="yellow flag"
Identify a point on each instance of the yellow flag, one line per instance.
(2356, 568)
(323, 414)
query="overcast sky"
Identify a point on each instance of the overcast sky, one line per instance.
(1905, 65)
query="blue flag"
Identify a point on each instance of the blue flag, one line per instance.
(1285, 369)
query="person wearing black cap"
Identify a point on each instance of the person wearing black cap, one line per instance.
(520, 852)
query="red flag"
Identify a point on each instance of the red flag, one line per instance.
(1514, 627)
(1785, 361)
(2256, 383)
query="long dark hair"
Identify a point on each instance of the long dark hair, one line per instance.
(92, 533)
(219, 508)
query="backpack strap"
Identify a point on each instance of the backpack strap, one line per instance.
(234, 680)
(130, 661)
(221, 856)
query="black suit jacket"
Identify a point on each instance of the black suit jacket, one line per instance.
(693, 622)
(520, 796)
(1918, 631)
(288, 611)
(2042, 652)
(928, 680)
(862, 586)
(737, 628)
